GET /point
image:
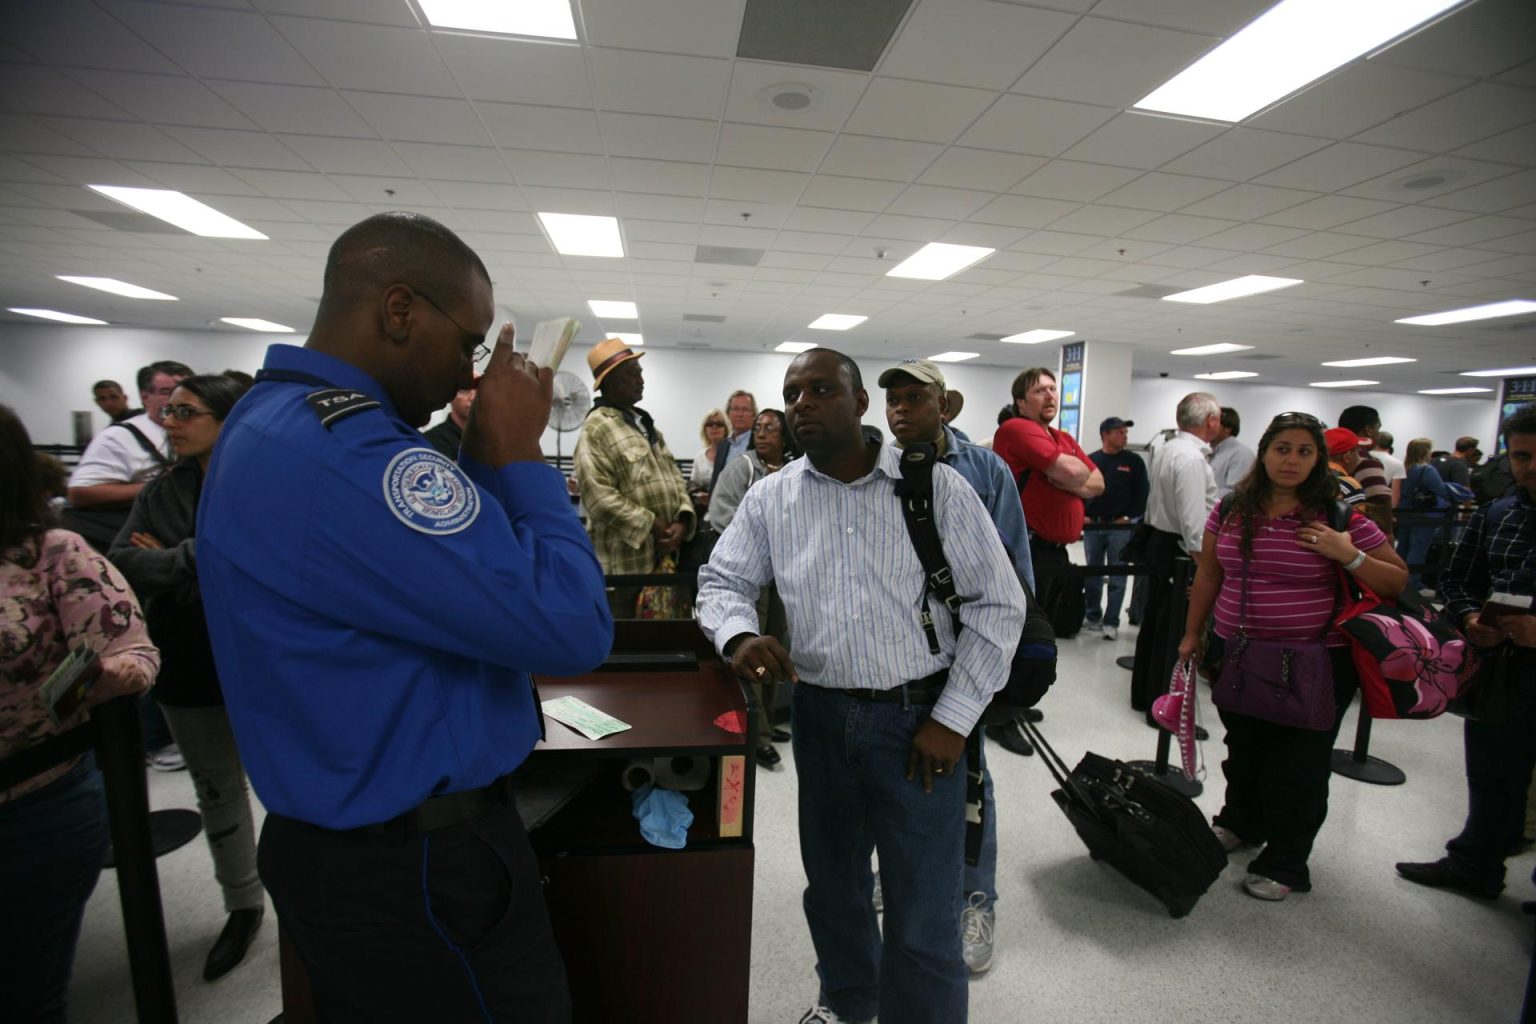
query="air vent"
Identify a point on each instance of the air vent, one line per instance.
(693, 344)
(727, 255)
(128, 220)
(984, 337)
(828, 35)
(704, 318)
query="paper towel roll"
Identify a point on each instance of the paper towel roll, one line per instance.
(637, 773)
(683, 772)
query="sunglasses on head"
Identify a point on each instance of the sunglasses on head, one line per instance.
(1302, 417)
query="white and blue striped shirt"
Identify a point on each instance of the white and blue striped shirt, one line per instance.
(852, 584)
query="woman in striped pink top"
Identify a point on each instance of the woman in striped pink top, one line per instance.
(1273, 532)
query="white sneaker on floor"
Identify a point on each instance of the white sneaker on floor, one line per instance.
(819, 1014)
(1111, 632)
(166, 759)
(976, 927)
(1229, 840)
(1261, 888)
(879, 896)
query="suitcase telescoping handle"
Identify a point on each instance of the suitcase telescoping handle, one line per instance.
(1053, 762)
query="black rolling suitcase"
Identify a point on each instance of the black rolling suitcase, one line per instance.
(1149, 832)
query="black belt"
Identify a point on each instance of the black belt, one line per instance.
(440, 812)
(920, 691)
(1035, 538)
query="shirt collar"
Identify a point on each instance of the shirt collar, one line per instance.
(888, 464)
(337, 372)
(1205, 449)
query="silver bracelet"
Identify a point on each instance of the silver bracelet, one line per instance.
(1356, 562)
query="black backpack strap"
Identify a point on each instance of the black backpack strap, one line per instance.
(145, 443)
(915, 489)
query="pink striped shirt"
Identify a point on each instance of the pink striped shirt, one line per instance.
(1292, 591)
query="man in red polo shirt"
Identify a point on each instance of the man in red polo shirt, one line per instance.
(1054, 475)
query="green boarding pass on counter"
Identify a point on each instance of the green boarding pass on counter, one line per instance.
(583, 717)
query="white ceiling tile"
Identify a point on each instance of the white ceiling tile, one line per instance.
(1522, 242)
(1405, 220)
(1339, 166)
(921, 111)
(658, 138)
(77, 33)
(1327, 212)
(24, 135)
(738, 237)
(1417, 183)
(420, 118)
(754, 83)
(1157, 191)
(1057, 243)
(338, 213)
(1102, 220)
(290, 184)
(849, 193)
(1517, 146)
(34, 89)
(660, 230)
(1386, 252)
(887, 159)
(369, 11)
(981, 169)
(1471, 232)
(729, 212)
(121, 140)
(796, 262)
(971, 42)
(811, 242)
(708, 28)
(1480, 39)
(839, 221)
(372, 57)
(1248, 202)
(453, 163)
(521, 126)
(644, 206)
(1178, 228)
(164, 99)
(291, 108)
(658, 83)
(516, 70)
(1251, 237)
(667, 177)
(1067, 179)
(1025, 124)
(1213, 17)
(1448, 259)
(217, 43)
(13, 169)
(1523, 74)
(238, 149)
(944, 203)
(568, 170)
(347, 156)
(87, 169)
(1023, 211)
(994, 236)
(1317, 245)
(1111, 62)
(768, 186)
(1139, 140)
(1503, 194)
(1460, 119)
(1361, 95)
(480, 195)
(571, 200)
(785, 149)
(921, 229)
(401, 193)
(1244, 153)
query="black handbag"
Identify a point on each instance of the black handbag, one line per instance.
(1489, 695)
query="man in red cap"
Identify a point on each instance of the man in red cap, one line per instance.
(1343, 457)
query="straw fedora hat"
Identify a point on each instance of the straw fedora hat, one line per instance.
(607, 354)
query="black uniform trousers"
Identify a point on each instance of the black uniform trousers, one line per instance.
(1500, 757)
(1157, 645)
(445, 926)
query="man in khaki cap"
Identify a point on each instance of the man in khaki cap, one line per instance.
(638, 509)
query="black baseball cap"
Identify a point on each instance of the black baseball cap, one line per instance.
(1114, 423)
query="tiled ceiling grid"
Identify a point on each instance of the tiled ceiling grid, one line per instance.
(985, 123)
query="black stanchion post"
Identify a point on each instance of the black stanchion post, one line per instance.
(1359, 764)
(119, 754)
(1183, 575)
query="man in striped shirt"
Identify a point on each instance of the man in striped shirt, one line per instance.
(880, 720)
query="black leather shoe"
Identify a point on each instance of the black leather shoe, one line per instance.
(229, 948)
(1011, 738)
(781, 735)
(1442, 874)
(767, 756)
(1034, 715)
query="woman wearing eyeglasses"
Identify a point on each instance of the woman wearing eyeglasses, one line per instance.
(157, 551)
(1269, 569)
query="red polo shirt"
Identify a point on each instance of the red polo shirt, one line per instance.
(1056, 515)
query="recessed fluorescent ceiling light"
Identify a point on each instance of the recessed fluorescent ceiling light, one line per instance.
(53, 314)
(1342, 383)
(116, 287)
(1291, 44)
(954, 357)
(252, 323)
(1455, 391)
(577, 234)
(1226, 375)
(1508, 371)
(1376, 361)
(836, 322)
(632, 340)
(614, 310)
(794, 346)
(938, 260)
(1237, 288)
(1035, 337)
(1514, 307)
(181, 210)
(547, 19)
(1210, 350)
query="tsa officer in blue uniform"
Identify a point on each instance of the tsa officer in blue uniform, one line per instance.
(376, 610)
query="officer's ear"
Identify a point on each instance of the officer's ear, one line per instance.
(396, 307)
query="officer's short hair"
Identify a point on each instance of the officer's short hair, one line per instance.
(398, 248)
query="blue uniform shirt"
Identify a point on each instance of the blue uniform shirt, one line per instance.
(375, 611)
(988, 474)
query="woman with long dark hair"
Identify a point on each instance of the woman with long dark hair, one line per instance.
(1269, 569)
(157, 551)
(57, 595)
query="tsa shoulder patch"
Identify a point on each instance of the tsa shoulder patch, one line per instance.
(334, 404)
(430, 494)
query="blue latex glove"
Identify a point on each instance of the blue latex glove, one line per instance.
(663, 815)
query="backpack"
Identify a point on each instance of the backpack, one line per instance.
(1033, 668)
(1493, 480)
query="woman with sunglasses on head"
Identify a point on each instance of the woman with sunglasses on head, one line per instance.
(157, 551)
(1269, 569)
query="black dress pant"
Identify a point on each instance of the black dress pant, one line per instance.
(446, 926)
(1277, 782)
(1157, 645)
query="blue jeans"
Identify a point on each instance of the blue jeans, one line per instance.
(1413, 545)
(1103, 547)
(52, 843)
(851, 760)
(982, 876)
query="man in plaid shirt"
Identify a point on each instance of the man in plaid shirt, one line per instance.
(638, 509)
(1496, 555)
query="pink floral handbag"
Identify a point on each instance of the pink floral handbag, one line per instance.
(1412, 661)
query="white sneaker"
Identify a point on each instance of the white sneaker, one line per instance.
(166, 759)
(879, 896)
(1229, 840)
(1261, 888)
(976, 926)
(819, 1014)
(1111, 632)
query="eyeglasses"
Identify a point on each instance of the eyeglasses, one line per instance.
(185, 412)
(714, 423)
(1304, 417)
(767, 428)
(481, 349)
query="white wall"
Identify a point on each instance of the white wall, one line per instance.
(46, 372)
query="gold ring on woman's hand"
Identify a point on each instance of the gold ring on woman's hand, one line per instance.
(760, 671)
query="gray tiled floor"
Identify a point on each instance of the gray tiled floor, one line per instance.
(1076, 942)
